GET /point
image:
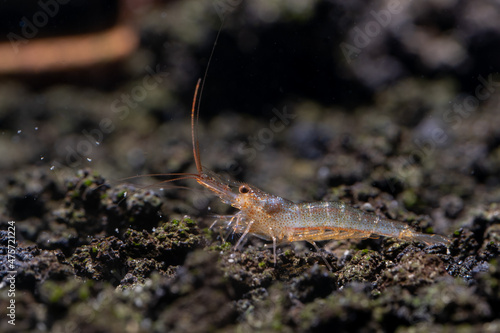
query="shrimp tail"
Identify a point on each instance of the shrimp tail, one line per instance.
(431, 239)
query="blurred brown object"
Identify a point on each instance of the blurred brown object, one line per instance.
(65, 53)
(61, 35)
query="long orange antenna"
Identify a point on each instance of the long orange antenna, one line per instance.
(194, 131)
(196, 108)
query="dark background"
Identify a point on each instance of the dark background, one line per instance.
(382, 130)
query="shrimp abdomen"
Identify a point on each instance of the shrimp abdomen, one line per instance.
(318, 221)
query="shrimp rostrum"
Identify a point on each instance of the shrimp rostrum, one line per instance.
(281, 221)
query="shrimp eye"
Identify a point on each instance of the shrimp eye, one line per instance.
(243, 189)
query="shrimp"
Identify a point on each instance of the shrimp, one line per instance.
(279, 220)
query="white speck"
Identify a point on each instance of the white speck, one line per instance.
(89, 159)
(209, 208)
(52, 168)
(367, 207)
(36, 128)
(19, 131)
(97, 143)
(342, 208)
(116, 230)
(41, 158)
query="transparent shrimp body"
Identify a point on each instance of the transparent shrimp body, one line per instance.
(280, 220)
(275, 217)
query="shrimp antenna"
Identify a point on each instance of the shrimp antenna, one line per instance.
(195, 110)
(194, 131)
